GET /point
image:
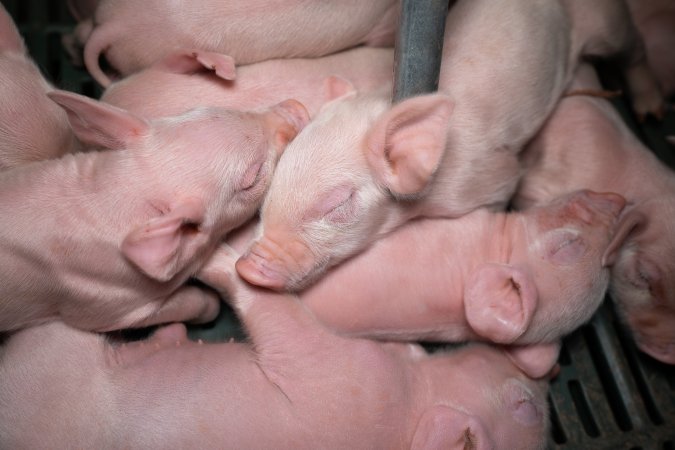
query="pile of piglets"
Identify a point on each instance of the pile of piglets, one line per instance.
(251, 154)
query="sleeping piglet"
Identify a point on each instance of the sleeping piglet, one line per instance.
(188, 78)
(32, 127)
(511, 278)
(106, 240)
(295, 385)
(363, 167)
(256, 31)
(585, 144)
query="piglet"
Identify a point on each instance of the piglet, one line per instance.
(363, 167)
(511, 278)
(131, 39)
(32, 127)
(106, 240)
(187, 78)
(295, 385)
(585, 144)
(656, 21)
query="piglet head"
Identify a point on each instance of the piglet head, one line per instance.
(206, 171)
(642, 285)
(555, 276)
(331, 194)
(481, 401)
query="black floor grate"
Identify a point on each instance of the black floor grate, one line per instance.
(608, 394)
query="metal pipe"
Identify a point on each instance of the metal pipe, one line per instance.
(419, 47)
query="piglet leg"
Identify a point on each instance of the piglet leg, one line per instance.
(266, 314)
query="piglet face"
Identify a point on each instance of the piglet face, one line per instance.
(218, 163)
(566, 244)
(484, 403)
(226, 157)
(205, 172)
(323, 204)
(345, 181)
(556, 274)
(642, 285)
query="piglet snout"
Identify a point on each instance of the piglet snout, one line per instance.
(256, 268)
(271, 263)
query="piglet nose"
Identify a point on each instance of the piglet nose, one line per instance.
(607, 202)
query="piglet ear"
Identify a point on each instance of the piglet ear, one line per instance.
(10, 39)
(164, 245)
(499, 301)
(337, 87)
(406, 144)
(287, 118)
(445, 428)
(630, 223)
(98, 124)
(192, 61)
(536, 361)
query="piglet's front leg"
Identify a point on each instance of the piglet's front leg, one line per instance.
(259, 309)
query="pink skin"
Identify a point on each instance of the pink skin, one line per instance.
(459, 278)
(299, 383)
(258, 31)
(108, 238)
(555, 253)
(32, 127)
(585, 144)
(187, 78)
(363, 168)
(655, 19)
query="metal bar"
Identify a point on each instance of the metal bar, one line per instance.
(419, 46)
